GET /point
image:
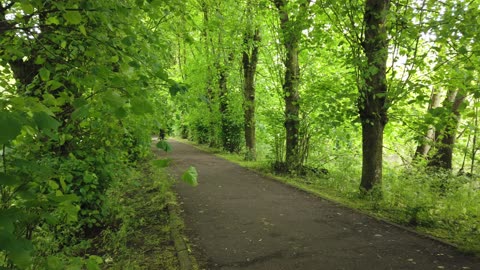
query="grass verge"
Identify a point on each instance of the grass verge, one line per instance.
(142, 239)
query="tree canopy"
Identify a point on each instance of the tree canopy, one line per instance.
(346, 87)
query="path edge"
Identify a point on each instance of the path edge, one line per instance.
(181, 248)
(175, 222)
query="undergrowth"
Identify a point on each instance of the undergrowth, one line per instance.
(142, 239)
(136, 233)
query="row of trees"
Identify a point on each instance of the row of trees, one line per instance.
(332, 66)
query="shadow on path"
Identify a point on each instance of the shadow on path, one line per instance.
(238, 219)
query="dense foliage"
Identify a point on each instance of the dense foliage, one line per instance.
(83, 86)
(336, 90)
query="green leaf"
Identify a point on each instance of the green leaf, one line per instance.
(7, 221)
(21, 253)
(94, 262)
(10, 127)
(117, 81)
(45, 121)
(134, 64)
(176, 88)
(73, 17)
(81, 112)
(141, 106)
(165, 146)
(53, 20)
(75, 264)
(39, 60)
(162, 74)
(79, 102)
(114, 59)
(121, 113)
(27, 8)
(44, 74)
(54, 85)
(8, 180)
(463, 50)
(190, 176)
(96, 259)
(161, 163)
(71, 211)
(6, 236)
(54, 263)
(53, 185)
(113, 99)
(128, 41)
(156, 3)
(82, 30)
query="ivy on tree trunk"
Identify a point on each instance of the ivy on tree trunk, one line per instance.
(373, 92)
(249, 61)
(291, 32)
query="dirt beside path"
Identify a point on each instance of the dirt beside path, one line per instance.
(238, 219)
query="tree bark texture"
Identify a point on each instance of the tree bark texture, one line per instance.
(372, 100)
(249, 61)
(291, 36)
(372, 143)
(230, 131)
(474, 146)
(445, 138)
(425, 145)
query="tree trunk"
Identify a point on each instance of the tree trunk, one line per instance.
(474, 147)
(222, 87)
(249, 61)
(425, 145)
(210, 136)
(291, 31)
(223, 99)
(372, 101)
(445, 138)
(24, 72)
(372, 145)
(230, 136)
(292, 106)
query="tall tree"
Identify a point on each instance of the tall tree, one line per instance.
(249, 64)
(219, 37)
(454, 45)
(230, 130)
(211, 135)
(291, 30)
(426, 143)
(373, 92)
(445, 138)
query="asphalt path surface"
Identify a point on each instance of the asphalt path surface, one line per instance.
(238, 219)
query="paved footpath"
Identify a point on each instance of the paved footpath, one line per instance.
(237, 219)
